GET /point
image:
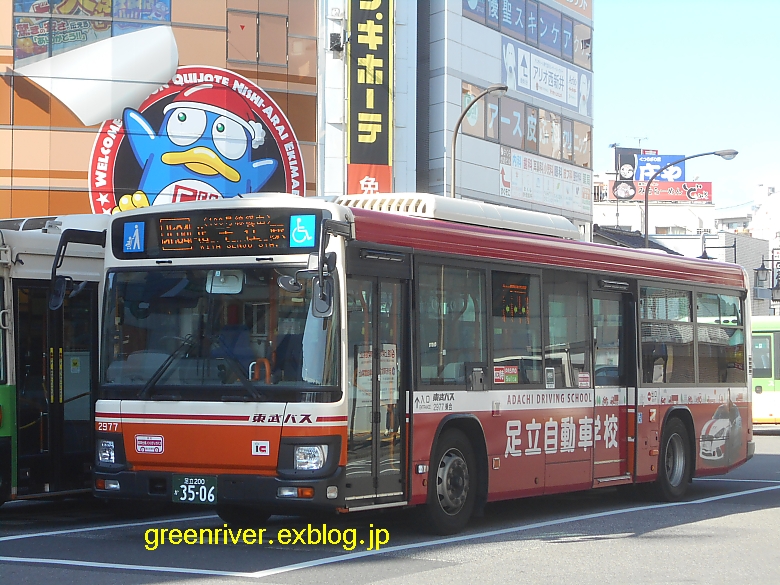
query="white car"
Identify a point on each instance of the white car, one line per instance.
(722, 432)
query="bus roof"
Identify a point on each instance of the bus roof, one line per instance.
(466, 212)
(446, 237)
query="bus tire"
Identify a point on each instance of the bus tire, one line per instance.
(452, 484)
(674, 461)
(242, 516)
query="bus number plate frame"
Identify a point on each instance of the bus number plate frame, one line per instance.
(192, 489)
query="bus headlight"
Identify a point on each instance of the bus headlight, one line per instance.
(106, 451)
(310, 457)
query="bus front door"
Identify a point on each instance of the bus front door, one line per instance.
(615, 387)
(376, 337)
(54, 365)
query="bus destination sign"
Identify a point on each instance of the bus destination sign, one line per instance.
(210, 233)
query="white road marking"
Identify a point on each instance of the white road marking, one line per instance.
(121, 567)
(738, 480)
(104, 527)
(389, 549)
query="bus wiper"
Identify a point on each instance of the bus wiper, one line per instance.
(235, 365)
(186, 343)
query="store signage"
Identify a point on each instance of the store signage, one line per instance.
(369, 96)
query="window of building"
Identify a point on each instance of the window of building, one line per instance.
(531, 129)
(582, 145)
(549, 30)
(512, 122)
(583, 38)
(549, 134)
(474, 122)
(567, 141)
(43, 29)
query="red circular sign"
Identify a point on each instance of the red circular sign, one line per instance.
(179, 166)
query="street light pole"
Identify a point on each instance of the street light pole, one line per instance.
(497, 88)
(724, 154)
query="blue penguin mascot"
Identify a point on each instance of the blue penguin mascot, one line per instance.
(203, 149)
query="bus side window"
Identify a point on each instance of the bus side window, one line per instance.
(566, 318)
(666, 333)
(517, 328)
(776, 348)
(452, 322)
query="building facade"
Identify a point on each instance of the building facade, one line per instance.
(106, 105)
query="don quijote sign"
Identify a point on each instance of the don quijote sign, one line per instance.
(207, 134)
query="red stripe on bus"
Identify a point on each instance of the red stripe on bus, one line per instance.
(243, 417)
(331, 419)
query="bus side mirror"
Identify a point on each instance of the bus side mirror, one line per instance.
(57, 293)
(322, 297)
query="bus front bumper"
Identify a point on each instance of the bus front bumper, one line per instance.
(751, 449)
(248, 490)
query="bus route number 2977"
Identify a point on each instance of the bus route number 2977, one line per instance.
(194, 490)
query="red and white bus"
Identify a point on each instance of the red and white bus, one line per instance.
(276, 354)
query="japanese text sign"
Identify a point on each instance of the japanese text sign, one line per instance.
(369, 87)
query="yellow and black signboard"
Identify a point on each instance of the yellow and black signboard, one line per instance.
(370, 96)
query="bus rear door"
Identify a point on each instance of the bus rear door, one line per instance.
(614, 332)
(54, 365)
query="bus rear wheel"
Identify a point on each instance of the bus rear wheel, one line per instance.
(674, 462)
(452, 484)
(242, 515)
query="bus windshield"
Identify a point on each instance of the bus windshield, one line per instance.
(228, 334)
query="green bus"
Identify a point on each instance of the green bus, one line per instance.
(766, 370)
(48, 359)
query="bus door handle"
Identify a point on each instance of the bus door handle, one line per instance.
(5, 319)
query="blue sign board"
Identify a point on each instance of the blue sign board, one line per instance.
(134, 237)
(531, 17)
(550, 29)
(513, 18)
(536, 73)
(567, 39)
(302, 231)
(474, 8)
(648, 164)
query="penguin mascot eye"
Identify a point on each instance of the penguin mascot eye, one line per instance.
(186, 125)
(230, 138)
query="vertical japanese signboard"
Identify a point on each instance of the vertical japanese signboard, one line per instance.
(369, 96)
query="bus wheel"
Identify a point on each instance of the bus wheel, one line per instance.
(452, 484)
(674, 462)
(242, 515)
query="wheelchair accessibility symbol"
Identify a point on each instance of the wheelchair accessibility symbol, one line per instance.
(302, 229)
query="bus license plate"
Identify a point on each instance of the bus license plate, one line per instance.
(192, 489)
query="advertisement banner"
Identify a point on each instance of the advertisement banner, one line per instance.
(207, 134)
(648, 164)
(541, 75)
(669, 191)
(540, 180)
(369, 86)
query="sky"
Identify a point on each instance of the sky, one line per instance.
(691, 76)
